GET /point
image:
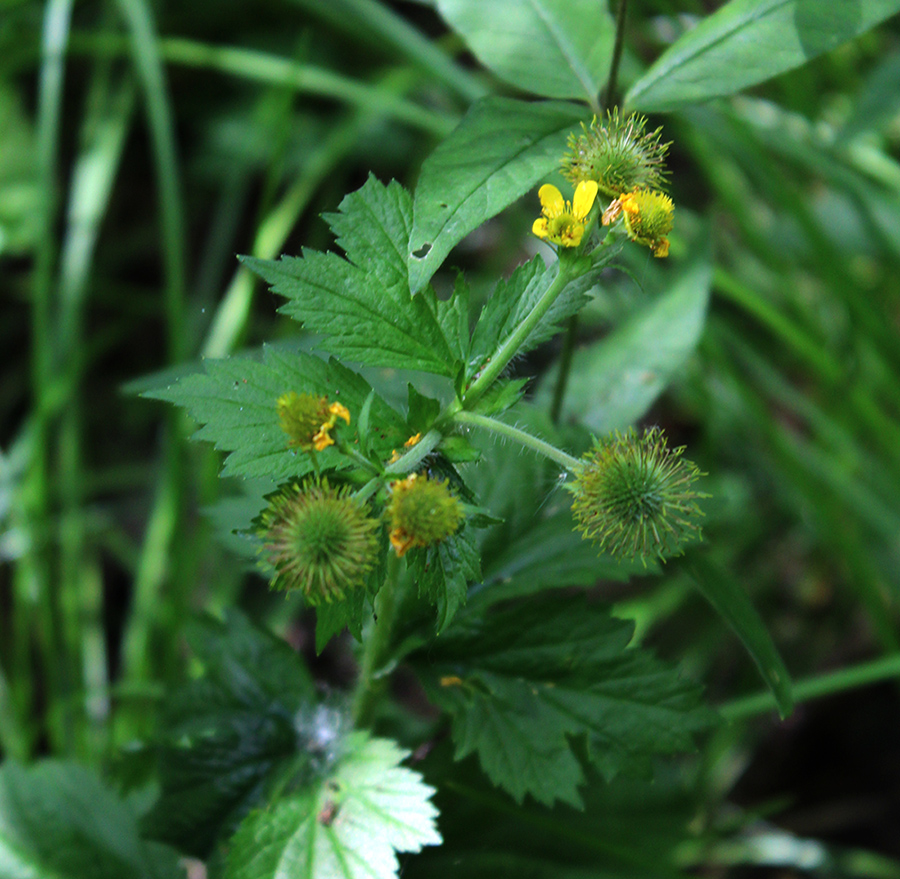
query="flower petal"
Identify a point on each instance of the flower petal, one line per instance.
(539, 228)
(585, 193)
(552, 202)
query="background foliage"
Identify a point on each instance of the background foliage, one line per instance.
(145, 144)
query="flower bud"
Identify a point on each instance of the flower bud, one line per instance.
(422, 512)
(308, 420)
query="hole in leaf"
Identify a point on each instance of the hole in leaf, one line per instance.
(422, 252)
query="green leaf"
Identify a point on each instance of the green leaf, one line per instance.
(613, 383)
(523, 682)
(361, 305)
(730, 600)
(747, 42)
(444, 572)
(513, 299)
(498, 152)
(421, 410)
(555, 48)
(58, 821)
(548, 554)
(229, 734)
(333, 618)
(236, 399)
(349, 826)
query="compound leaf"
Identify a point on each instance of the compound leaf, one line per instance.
(361, 305)
(523, 682)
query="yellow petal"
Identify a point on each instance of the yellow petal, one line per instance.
(539, 228)
(339, 411)
(572, 235)
(552, 202)
(585, 193)
(661, 248)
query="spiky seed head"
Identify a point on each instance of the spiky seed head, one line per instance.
(422, 512)
(635, 496)
(319, 540)
(617, 154)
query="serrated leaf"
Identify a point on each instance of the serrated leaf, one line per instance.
(523, 682)
(333, 618)
(515, 298)
(549, 555)
(613, 383)
(746, 42)
(453, 316)
(555, 48)
(236, 400)
(228, 734)
(501, 396)
(58, 821)
(497, 153)
(372, 226)
(362, 306)
(444, 572)
(350, 826)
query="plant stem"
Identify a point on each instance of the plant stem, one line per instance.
(612, 80)
(416, 454)
(377, 644)
(513, 433)
(565, 272)
(565, 366)
(816, 687)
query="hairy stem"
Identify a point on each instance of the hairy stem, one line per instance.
(566, 271)
(513, 433)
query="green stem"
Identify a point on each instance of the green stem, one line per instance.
(415, 455)
(377, 646)
(565, 367)
(519, 436)
(815, 688)
(566, 271)
(612, 80)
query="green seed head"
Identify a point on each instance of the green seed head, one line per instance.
(617, 154)
(319, 540)
(635, 497)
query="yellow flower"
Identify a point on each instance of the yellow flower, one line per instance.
(323, 439)
(308, 419)
(563, 221)
(648, 218)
